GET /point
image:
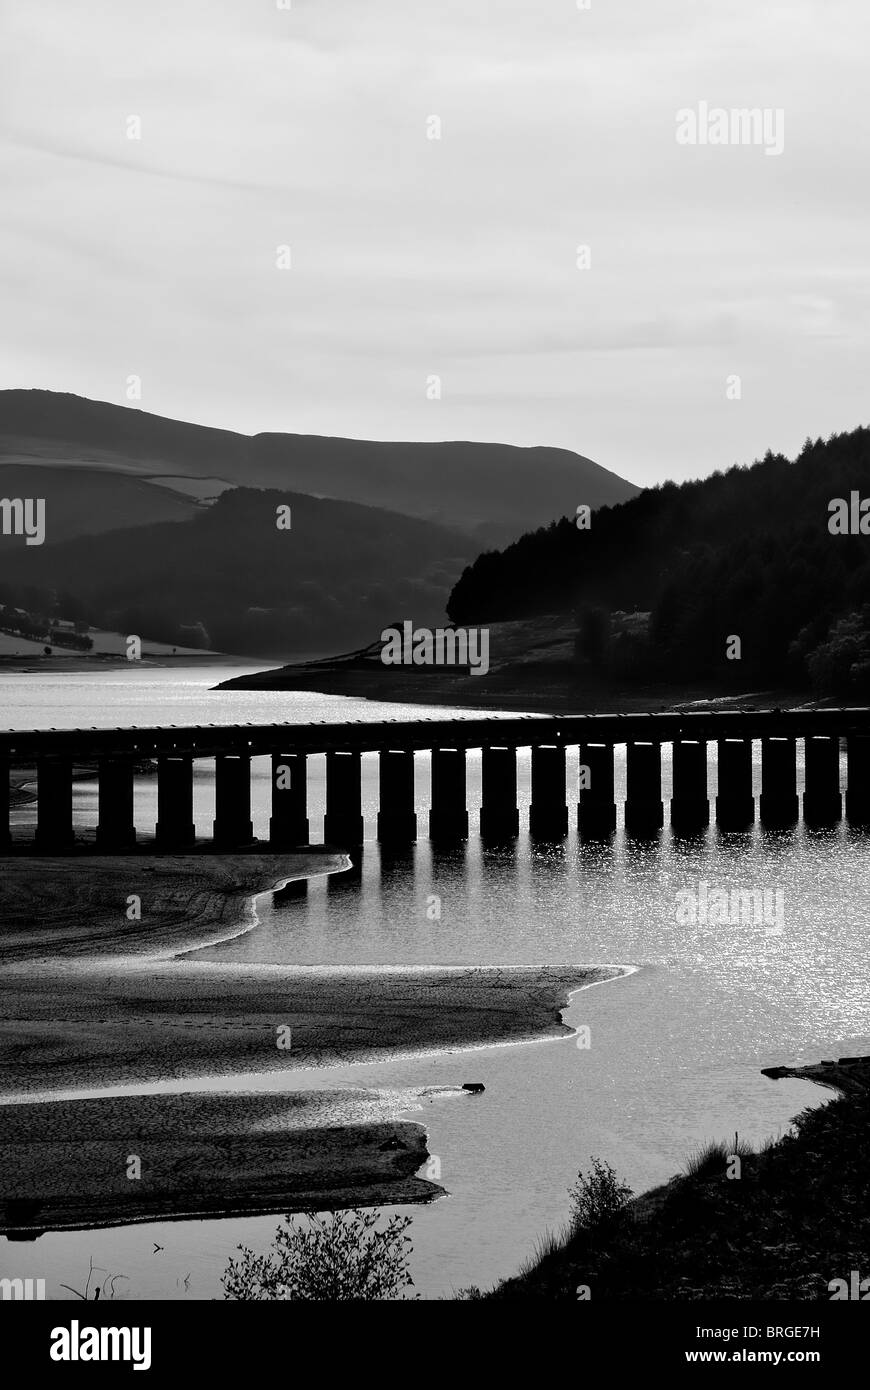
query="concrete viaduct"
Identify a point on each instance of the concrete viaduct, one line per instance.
(116, 753)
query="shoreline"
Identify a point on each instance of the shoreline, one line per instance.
(779, 1235)
(254, 1082)
(94, 1001)
(230, 1018)
(213, 1155)
(213, 1152)
(161, 1009)
(517, 686)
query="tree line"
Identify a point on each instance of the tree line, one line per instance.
(747, 553)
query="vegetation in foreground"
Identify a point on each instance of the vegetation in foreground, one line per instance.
(341, 1257)
(779, 1224)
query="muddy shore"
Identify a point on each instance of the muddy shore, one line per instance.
(92, 1000)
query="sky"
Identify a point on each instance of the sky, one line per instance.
(433, 289)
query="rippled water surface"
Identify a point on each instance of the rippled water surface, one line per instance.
(675, 1047)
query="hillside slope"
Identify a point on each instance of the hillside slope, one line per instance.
(86, 501)
(495, 490)
(337, 572)
(793, 1226)
(746, 554)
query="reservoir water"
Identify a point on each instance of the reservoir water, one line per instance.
(675, 1047)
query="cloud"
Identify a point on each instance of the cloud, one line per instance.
(410, 256)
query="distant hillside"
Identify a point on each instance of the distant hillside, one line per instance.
(88, 501)
(245, 586)
(747, 553)
(493, 490)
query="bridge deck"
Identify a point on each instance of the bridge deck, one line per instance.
(522, 731)
(118, 754)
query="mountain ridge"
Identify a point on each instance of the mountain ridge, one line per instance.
(489, 489)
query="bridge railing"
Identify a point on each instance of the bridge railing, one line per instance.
(117, 754)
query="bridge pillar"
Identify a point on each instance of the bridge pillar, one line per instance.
(5, 833)
(778, 803)
(232, 796)
(690, 805)
(54, 827)
(288, 824)
(823, 800)
(175, 828)
(115, 829)
(448, 818)
(735, 805)
(596, 803)
(644, 808)
(397, 818)
(499, 816)
(548, 812)
(343, 824)
(858, 778)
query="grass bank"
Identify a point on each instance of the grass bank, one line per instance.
(788, 1221)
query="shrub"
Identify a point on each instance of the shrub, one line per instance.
(837, 665)
(340, 1257)
(598, 1198)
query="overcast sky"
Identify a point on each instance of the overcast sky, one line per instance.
(412, 257)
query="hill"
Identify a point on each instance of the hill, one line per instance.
(746, 554)
(491, 490)
(82, 501)
(787, 1222)
(238, 582)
